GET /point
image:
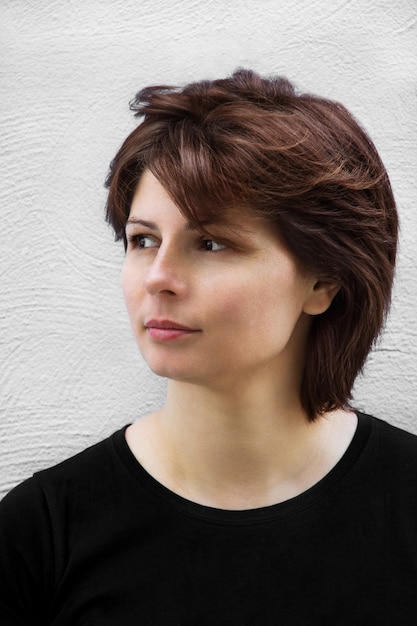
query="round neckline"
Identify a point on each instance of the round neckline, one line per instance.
(306, 499)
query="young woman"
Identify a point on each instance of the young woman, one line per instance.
(260, 233)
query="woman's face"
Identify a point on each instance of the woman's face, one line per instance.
(212, 311)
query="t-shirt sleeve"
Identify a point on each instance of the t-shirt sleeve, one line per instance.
(26, 556)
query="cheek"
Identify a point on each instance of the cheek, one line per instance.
(130, 287)
(268, 303)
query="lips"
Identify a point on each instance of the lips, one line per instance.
(168, 325)
(168, 330)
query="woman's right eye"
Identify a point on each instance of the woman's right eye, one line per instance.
(142, 241)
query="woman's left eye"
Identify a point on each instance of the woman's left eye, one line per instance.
(211, 245)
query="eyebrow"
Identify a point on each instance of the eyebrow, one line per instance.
(152, 226)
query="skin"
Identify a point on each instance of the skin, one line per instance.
(232, 433)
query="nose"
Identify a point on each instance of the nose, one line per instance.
(166, 273)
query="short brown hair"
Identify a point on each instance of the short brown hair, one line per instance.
(302, 162)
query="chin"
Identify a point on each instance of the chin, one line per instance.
(166, 369)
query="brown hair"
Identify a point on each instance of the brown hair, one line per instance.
(300, 161)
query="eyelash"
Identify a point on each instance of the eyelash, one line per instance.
(135, 241)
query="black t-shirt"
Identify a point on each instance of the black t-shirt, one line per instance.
(97, 541)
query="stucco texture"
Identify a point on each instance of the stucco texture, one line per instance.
(70, 373)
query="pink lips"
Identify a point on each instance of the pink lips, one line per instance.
(167, 330)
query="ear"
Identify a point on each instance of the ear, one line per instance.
(320, 297)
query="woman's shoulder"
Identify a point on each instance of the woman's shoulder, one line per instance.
(95, 457)
(80, 472)
(390, 433)
(391, 448)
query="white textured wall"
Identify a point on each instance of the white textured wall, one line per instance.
(69, 370)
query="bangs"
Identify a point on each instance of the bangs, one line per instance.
(195, 171)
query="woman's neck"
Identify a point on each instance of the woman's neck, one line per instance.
(237, 450)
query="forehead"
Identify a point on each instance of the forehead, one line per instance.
(152, 199)
(148, 191)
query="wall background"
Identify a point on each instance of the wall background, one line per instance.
(70, 373)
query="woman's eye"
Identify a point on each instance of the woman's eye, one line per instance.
(212, 246)
(142, 241)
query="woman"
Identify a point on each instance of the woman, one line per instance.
(260, 233)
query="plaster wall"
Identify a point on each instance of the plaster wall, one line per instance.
(70, 373)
